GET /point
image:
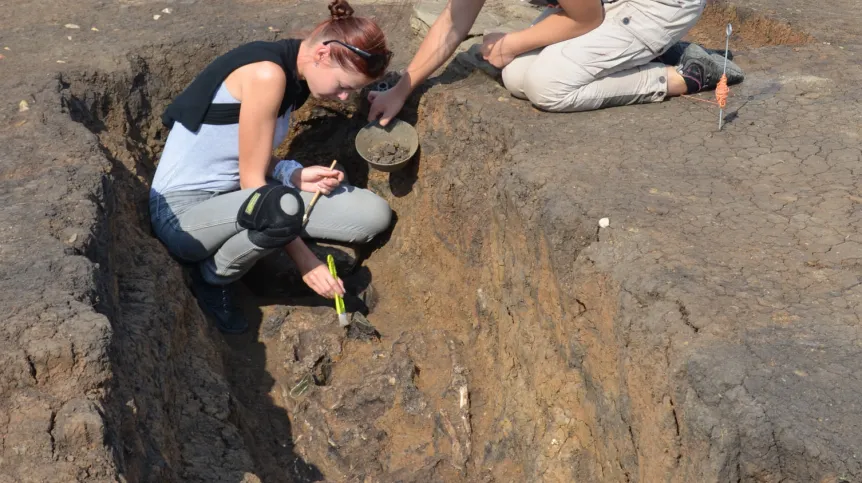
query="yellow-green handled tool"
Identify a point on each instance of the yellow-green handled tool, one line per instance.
(339, 302)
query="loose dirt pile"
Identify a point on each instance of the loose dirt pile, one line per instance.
(388, 153)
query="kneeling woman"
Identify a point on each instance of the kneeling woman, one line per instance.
(581, 55)
(221, 201)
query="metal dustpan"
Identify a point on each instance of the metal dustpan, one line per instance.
(396, 132)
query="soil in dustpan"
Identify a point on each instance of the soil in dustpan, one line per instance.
(387, 153)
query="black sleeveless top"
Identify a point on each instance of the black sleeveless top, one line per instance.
(194, 105)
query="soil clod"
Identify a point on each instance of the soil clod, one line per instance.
(388, 153)
(361, 329)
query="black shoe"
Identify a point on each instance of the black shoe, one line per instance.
(702, 70)
(219, 302)
(674, 53)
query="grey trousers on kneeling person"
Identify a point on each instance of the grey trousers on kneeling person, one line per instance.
(200, 226)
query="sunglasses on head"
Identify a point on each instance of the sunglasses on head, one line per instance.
(375, 62)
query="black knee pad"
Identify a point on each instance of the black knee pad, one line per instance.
(267, 223)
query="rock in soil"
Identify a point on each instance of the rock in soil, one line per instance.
(361, 329)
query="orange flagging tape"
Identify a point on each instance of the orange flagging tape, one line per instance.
(722, 92)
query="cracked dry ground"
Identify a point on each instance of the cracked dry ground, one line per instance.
(711, 333)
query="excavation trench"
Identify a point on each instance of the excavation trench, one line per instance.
(516, 341)
(501, 353)
(467, 379)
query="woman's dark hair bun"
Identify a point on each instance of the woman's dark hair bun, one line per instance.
(340, 10)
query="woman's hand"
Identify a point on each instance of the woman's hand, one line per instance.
(316, 275)
(494, 50)
(316, 178)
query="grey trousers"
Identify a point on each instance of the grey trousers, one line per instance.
(608, 66)
(201, 227)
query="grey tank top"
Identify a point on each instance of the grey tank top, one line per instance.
(208, 159)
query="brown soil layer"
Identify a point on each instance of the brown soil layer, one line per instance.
(750, 28)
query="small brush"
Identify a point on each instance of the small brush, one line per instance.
(314, 200)
(339, 302)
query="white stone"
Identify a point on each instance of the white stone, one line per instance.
(604, 222)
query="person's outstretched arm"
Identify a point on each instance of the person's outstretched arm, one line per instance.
(575, 18)
(448, 31)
